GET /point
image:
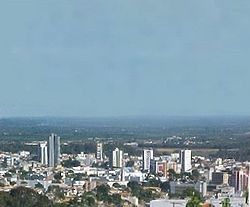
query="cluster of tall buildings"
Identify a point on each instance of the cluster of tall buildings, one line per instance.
(149, 164)
(49, 151)
(49, 155)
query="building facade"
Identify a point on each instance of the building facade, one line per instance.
(117, 158)
(186, 160)
(43, 153)
(53, 150)
(99, 151)
(148, 155)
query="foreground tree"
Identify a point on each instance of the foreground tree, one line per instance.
(194, 201)
(226, 202)
(88, 200)
(23, 197)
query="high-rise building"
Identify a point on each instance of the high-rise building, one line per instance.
(148, 155)
(186, 160)
(220, 178)
(54, 150)
(159, 167)
(43, 153)
(240, 179)
(117, 158)
(99, 149)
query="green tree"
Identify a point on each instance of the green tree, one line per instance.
(5, 199)
(130, 163)
(165, 186)
(172, 175)
(102, 193)
(71, 163)
(226, 202)
(135, 188)
(190, 192)
(56, 191)
(58, 176)
(194, 201)
(116, 199)
(152, 182)
(246, 197)
(88, 200)
(195, 175)
(39, 185)
(26, 197)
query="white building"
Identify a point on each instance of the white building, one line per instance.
(24, 153)
(167, 203)
(43, 153)
(148, 155)
(99, 151)
(117, 158)
(186, 160)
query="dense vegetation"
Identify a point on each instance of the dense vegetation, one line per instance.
(23, 197)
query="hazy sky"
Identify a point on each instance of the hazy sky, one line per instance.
(129, 57)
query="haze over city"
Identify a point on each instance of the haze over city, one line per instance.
(124, 58)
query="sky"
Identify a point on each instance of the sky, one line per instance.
(124, 58)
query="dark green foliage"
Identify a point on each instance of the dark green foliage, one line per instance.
(226, 202)
(78, 147)
(152, 182)
(190, 192)
(102, 193)
(165, 186)
(56, 191)
(130, 163)
(39, 185)
(70, 163)
(58, 176)
(172, 175)
(88, 199)
(138, 191)
(195, 175)
(135, 187)
(104, 165)
(194, 201)
(23, 197)
(116, 199)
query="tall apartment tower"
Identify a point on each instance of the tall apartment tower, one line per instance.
(54, 150)
(43, 153)
(186, 160)
(99, 149)
(117, 158)
(148, 155)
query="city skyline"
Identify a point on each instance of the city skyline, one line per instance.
(125, 103)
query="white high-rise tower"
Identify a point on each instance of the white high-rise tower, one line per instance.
(148, 155)
(99, 149)
(186, 160)
(117, 158)
(43, 153)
